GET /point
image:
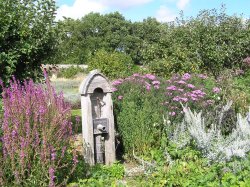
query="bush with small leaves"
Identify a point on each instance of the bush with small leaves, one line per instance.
(112, 64)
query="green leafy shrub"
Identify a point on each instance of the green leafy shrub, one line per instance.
(27, 37)
(209, 42)
(70, 72)
(189, 168)
(168, 66)
(241, 86)
(199, 173)
(113, 65)
(116, 170)
(138, 111)
(103, 175)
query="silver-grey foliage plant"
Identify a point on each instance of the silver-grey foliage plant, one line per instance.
(211, 142)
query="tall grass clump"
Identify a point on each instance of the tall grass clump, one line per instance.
(35, 136)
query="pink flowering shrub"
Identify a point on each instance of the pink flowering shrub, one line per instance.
(141, 101)
(35, 139)
(195, 91)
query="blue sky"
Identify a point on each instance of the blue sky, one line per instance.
(137, 10)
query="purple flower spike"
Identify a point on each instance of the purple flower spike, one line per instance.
(35, 124)
(51, 177)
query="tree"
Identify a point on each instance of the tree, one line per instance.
(81, 39)
(151, 33)
(222, 41)
(210, 42)
(112, 64)
(27, 36)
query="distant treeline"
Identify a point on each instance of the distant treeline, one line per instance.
(29, 37)
(211, 41)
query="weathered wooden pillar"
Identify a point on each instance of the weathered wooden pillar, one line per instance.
(97, 119)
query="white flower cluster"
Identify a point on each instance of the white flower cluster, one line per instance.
(211, 142)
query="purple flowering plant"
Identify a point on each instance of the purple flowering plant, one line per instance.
(196, 90)
(36, 133)
(144, 83)
(182, 89)
(142, 100)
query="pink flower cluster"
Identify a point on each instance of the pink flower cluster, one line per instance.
(182, 89)
(186, 76)
(148, 81)
(187, 89)
(216, 90)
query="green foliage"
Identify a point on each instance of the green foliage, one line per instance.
(223, 39)
(69, 49)
(138, 114)
(240, 93)
(167, 66)
(111, 64)
(210, 42)
(26, 36)
(76, 112)
(243, 81)
(103, 175)
(80, 171)
(80, 39)
(70, 72)
(188, 168)
(116, 170)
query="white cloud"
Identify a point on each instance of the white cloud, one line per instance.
(125, 3)
(182, 4)
(164, 14)
(79, 9)
(82, 7)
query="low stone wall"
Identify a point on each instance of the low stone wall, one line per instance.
(62, 66)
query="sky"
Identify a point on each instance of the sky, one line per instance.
(137, 10)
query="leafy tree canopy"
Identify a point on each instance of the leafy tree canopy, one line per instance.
(27, 36)
(80, 39)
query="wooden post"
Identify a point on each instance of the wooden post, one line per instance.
(97, 107)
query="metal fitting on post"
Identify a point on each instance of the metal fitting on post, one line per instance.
(100, 127)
